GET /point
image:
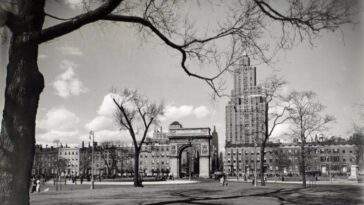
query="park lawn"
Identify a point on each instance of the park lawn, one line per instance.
(210, 192)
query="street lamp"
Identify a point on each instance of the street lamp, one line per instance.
(92, 160)
(255, 162)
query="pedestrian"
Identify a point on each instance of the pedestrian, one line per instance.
(226, 184)
(222, 180)
(81, 179)
(253, 181)
(38, 185)
(34, 185)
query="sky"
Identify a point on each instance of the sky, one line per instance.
(81, 68)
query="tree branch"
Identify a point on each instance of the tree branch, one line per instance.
(75, 23)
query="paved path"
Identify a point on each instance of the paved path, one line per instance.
(334, 182)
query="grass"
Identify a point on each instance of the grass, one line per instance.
(207, 192)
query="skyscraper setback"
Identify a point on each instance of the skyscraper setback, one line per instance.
(245, 111)
(244, 120)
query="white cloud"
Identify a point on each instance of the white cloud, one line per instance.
(201, 112)
(69, 50)
(58, 123)
(176, 112)
(173, 112)
(59, 119)
(68, 84)
(65, 137)
(107, 107)
(103, 124)
(100, 123)
(280, 130)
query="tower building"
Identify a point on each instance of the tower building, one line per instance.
(244, 119)
(245, 111)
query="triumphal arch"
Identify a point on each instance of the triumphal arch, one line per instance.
(189, 151)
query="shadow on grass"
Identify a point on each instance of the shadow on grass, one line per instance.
(333, 195)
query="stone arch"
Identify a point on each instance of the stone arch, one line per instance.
(182, 138)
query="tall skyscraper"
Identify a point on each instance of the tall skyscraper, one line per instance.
(244, 120)
(245, 111)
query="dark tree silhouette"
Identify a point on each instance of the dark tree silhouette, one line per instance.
(307, 120)
(136, 114)
(275, 114)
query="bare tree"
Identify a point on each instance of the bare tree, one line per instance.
(275, 114)
(108, 153)
(85, 161)
(281, 160)
(243, 28)
(307, 119)
(136, 114)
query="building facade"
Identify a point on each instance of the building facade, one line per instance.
(117, 159)
(245, 110)
(244, 120)
(44, 162)
(284, 159)
(72, 159)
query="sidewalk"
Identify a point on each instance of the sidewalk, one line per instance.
(334, 182)
(69, 182)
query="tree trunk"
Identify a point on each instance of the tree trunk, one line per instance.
(24, 83)
(261, 173)
(137, 181)
(303, 164)
(262, 146)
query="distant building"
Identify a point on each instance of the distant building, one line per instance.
(44, 161)
(244, 117)
(194, 152)
(321, 159)
(72, 157)
(245, 110)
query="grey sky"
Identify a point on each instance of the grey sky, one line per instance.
(85, 64)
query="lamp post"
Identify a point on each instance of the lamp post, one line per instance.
(255, 162)
(92, 160)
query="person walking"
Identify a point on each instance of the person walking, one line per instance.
(38, 185)
(34, 185)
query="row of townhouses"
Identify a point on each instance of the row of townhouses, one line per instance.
(117, 159)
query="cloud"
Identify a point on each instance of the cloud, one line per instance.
(65, 137)
(103, 124)
(67, 84)
(58, 123)
(69, 50)
(174, 112)
(107, 107)
(100, 123)
(59, 119)
(201, 112)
